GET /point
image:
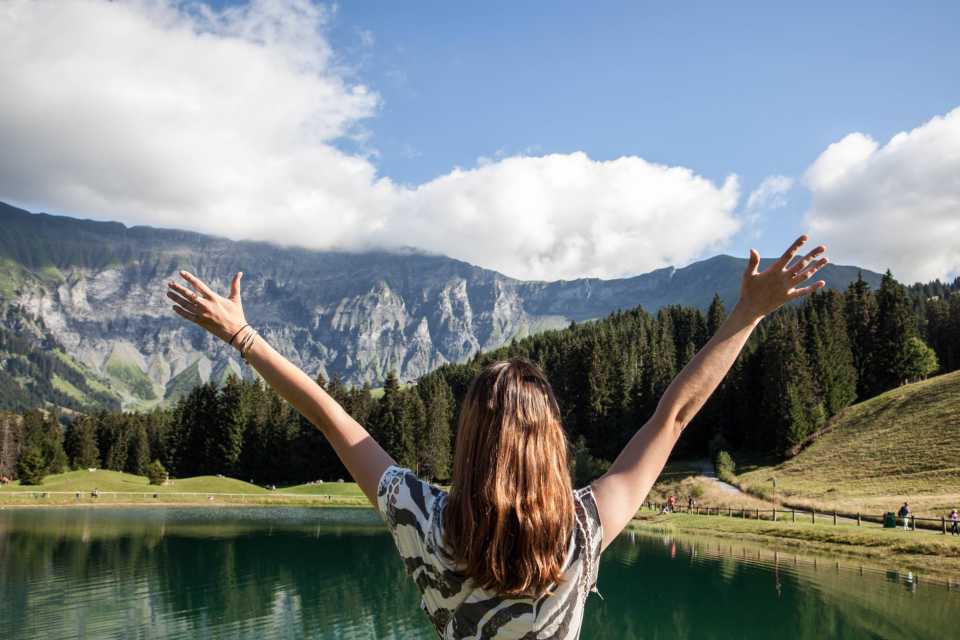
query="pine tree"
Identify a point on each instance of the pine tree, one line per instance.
(716, 314)
(227, 445)
(860, 307)
(833, 364)
(388, 417)
(434, 443)
(139, 450)
(31, 468)
(790, 404)
(895, 329)
(80, 443)
(413, 428)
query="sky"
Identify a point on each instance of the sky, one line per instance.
(544, 140)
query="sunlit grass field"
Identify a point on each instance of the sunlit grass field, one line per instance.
(901, 445)
(116, 487)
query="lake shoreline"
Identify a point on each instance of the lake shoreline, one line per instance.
(922, 552)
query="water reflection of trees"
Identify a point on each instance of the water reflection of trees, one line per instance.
(250, 585)
(726, 591)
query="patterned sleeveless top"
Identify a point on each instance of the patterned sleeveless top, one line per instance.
(460, 609)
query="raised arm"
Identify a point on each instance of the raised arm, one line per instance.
(223, 317)
(625, 486)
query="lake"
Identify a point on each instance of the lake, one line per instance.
(333, 573)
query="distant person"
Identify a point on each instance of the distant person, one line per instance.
(905, 514)
(95, 493)
(691, 503)
(489, 564)
(955, 522)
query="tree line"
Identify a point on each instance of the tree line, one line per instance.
(804, 364)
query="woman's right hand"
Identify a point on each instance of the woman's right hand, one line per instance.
(765, 292)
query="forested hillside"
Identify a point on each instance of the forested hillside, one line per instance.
(802, 365)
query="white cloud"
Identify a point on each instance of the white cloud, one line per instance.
(155, 112)
(771, 194)
(896, 205)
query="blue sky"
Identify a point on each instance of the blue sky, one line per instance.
(544, 140)
(754, 89)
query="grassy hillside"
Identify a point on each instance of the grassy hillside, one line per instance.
(901, 445)
(179, 491)
(104, 480)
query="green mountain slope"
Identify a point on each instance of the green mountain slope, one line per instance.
(36, 371)
(903, 444)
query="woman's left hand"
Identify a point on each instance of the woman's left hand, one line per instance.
(222, 317)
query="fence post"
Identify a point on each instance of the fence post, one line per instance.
(943, 524)
(793, 514)
(730, 511)
(858, 518)
(834, 517)
(774, 514)
(758, 513)
(813, 516)
(913, 519)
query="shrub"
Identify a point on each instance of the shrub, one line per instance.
(31, 467)
(725, 466)
(156, 472)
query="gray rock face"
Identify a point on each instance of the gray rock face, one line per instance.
(100, 289)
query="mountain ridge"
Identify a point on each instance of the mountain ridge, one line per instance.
(99, 288)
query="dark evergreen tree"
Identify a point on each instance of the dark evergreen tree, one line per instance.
(227, 432)
(790, 405)
(31, 468)
(387, 423)
(80, 443)
(895, 329)
(716, 314)
(433, 445)
(860, 308)
(139, 449)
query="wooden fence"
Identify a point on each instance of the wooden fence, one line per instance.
(913, 523)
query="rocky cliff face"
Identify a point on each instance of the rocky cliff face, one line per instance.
(100, 289)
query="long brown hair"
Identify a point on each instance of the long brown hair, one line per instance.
(509, 513)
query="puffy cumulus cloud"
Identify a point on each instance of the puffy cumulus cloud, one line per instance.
(565, 216)
(227, 121)
(771, 194)
(147, 112)
(896, 205)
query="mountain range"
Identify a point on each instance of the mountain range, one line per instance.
(98, 290)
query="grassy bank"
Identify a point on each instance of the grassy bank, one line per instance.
(901, 445)
(918, 551)
(115, 488)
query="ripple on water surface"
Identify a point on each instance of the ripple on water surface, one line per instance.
(333, 573)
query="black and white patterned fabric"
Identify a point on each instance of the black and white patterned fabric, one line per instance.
(458, 608)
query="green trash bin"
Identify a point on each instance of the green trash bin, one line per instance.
(889, 520)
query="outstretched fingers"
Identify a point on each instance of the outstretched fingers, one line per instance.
(197, 284)
(235, 287)
(192, 317)
(800, 264)
(802, 291)
(809, 271)
(752, 263)
(785, 259)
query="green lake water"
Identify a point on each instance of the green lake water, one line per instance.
(333, 573)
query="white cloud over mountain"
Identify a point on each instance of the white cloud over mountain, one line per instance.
(154, 112)
(895, 205)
